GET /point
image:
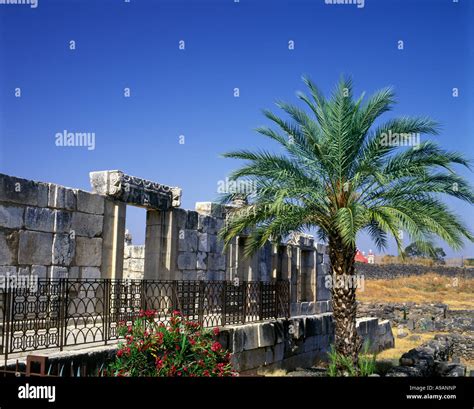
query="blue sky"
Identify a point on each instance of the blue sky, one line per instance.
(190, 92)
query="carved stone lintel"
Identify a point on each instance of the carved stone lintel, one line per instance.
(135, 191)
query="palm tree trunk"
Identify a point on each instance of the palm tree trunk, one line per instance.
(347, 341)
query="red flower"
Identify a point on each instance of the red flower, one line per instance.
(119, 353)
(216, 347)
(176, 312)
(216, 331)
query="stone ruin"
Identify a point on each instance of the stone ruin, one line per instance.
(51, 231)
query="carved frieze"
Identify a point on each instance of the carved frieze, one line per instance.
(135, 191)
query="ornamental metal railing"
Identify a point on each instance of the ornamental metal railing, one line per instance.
(69, 312)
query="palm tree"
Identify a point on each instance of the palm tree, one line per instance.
(340, 174)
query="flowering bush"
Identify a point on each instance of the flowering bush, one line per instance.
(179, 348)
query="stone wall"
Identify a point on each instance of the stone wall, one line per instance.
(49, 231)
(430, 359)
(291, 343)
(421, 317)
(389, 271)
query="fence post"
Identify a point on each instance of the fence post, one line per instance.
(143, 292)
(202, 288)
(244, 307)
(106, 315)
(276, 302)
(175, 297)
(260, 291)
(63, 310)
(224, 301)
(7, 322)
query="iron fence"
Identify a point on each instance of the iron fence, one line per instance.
(67, 312)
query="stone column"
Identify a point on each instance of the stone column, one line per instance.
(153, 244)
(294, 273)
(113, 239)
(322, 269)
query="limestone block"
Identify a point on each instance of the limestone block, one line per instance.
(136, 264)
(35, 248)
(58, 272)
(187, 261)
(218, 275)
(204, 243)
(8, 247)
(89, 202)
(207, 224)
(88, 252)
(190, 275)
(90, 273)
(210, 209)
(23, 191)
(310, 344)
(314, 325)
(192, 220)
(62, 221)
(60, 197)
(137, 251)
(39, 271)
(88, 225)
(304, 308)
(278, 352)
(279, 329)
(216, 261)
(24, 271)
(251, 336)
(295, 309)
(11, 217)
(134, 190)
(180, 217)
(238, 338)
(219, 224)
(202, 261)
(63, 249)
(39, 219)
(73, 272)
(7, 271)
(252, 359)
(266, 335)
(188, 241)
(216, 245)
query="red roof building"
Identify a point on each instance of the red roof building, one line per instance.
(360, 257)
